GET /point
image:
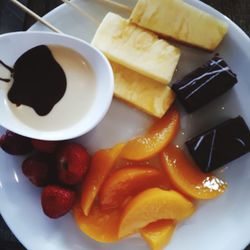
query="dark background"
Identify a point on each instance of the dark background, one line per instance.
(13, 19)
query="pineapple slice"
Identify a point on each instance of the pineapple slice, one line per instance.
(144, 93)
(135, 48)
(180, 21)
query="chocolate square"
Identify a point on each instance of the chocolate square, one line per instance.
(220, 145)
(204, 84)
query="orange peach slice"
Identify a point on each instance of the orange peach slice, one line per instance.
(98, 225)
(158, 136)
(151, 205)
(102, 163)
(187, 178)
(127, 182)
(158, 234)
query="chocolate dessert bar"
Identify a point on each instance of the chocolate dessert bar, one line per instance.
(204, 84)
(220, 145)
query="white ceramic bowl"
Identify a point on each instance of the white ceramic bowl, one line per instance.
(13, 45)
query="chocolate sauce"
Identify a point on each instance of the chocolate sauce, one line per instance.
(204, 84)
(38, 80)
(7, 67)
(221, 144)
(4, 79)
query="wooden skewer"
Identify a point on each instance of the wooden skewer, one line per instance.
(37, 17)
(52, 27)
(82, 12)
(122, 6)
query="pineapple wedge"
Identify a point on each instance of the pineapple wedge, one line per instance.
(180, 21)
(144, 93)
(135, 48)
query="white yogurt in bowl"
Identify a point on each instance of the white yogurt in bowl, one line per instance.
(88, 93)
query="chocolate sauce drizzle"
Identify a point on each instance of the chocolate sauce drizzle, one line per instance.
(7, 67)
(4, 79)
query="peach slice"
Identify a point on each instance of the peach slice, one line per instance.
(98, 225)
(102, 163)
(158, 136)
(187, 178)
(151, 205)
(158, 234)
(126, 182)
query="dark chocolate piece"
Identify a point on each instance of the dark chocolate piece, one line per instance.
(220, 145)
(204, 84)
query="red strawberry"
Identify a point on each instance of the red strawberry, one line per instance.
(72, 163)
(39, 169)
(45, 146)
(57, 201)
(15, 144)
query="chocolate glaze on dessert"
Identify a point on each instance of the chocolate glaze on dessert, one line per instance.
(221, 144)
(204, 84)
(38, 80)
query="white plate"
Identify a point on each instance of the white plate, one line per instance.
(221, 224)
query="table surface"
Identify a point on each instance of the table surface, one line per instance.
(13, 19)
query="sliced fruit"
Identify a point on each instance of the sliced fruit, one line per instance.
(188, 178)
(98, 225)
(144, 93)
(151, 205)
(102, 163)
(159, 136)
(127, 182)
(180, 21)
(136, 48)
(158, 234)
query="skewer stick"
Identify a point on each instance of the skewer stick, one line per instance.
(37, 17)
(82, 12)
(119, 5)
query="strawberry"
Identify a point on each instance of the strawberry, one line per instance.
(15, 144)
(72, 163)
(57, 201)
(39, 168)
(45, 146)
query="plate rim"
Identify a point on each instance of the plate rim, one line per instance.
(62, 6)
